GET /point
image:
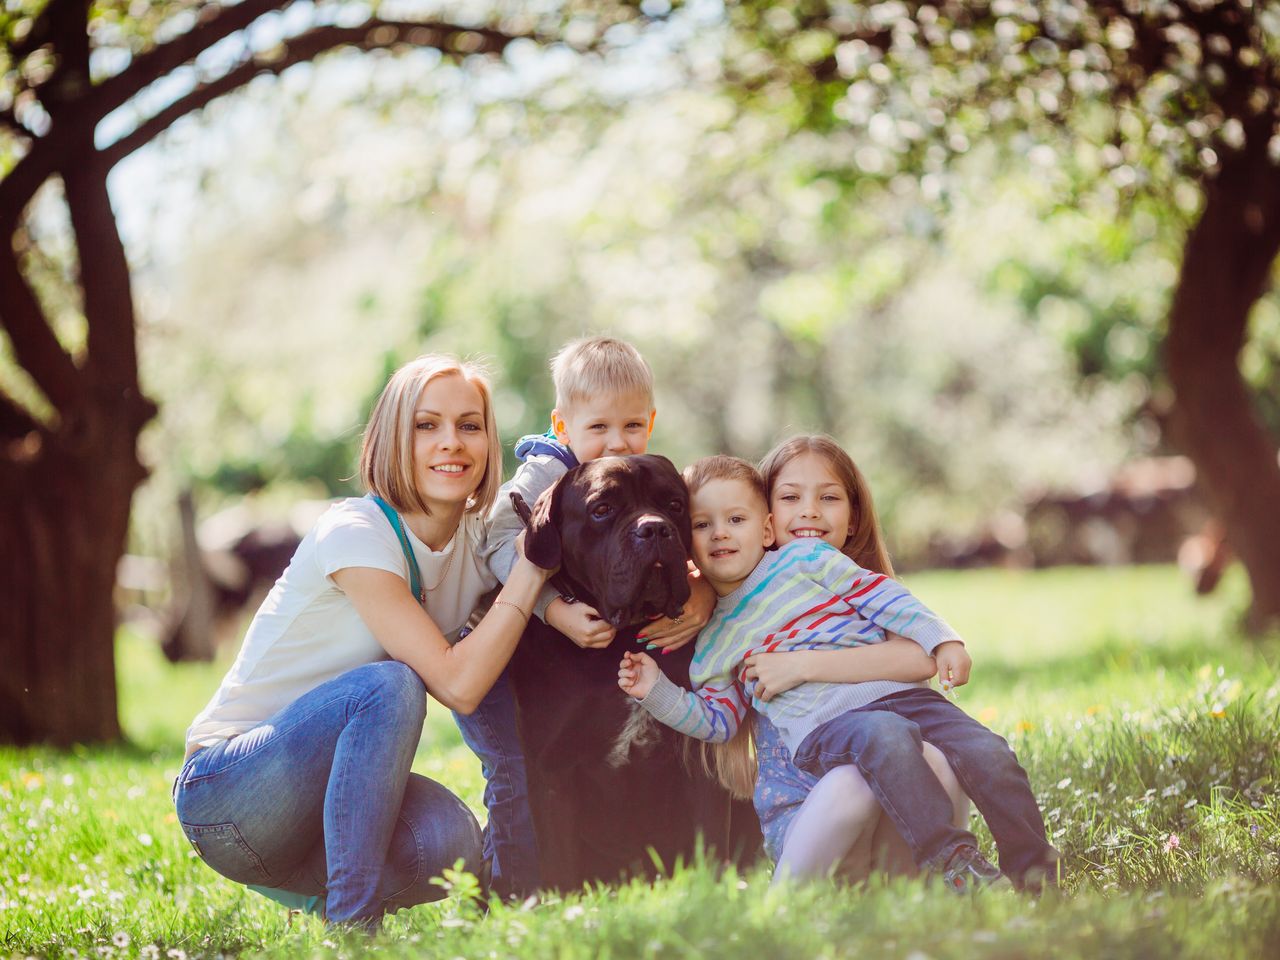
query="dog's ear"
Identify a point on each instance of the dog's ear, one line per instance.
(542, 541)
(682, 521)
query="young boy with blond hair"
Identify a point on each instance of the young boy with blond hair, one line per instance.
(604, 408)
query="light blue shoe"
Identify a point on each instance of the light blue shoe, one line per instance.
(313, 904)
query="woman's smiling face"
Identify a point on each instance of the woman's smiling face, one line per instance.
(450, 444)
(808, 500)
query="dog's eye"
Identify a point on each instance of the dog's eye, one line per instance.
(601, 510)
(676, 506)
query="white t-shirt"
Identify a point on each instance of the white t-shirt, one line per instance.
(307, 631)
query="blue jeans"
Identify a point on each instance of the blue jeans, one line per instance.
(318, 800)
(883, 739)
(510, 845)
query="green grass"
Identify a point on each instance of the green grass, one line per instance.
(1140, 712)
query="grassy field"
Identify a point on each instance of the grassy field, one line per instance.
(1148, 725)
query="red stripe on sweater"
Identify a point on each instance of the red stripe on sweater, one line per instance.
(871, 586)
(809, 612)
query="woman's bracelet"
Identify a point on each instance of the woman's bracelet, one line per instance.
(513, 606)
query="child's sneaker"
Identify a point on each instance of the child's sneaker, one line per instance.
(968, 870)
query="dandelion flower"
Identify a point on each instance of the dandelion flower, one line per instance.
(121, 939)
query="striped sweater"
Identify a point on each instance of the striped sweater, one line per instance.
(806, 596)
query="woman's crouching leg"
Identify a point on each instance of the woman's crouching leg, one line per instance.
(433, 832)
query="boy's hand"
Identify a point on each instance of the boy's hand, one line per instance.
(953, 663)
(637, 673)
(580, 623)
(669, 635)
(775, 673)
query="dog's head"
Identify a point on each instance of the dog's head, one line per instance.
(618, 528)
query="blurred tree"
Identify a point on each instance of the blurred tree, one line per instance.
(1171, 102)
(83, 85)
(765, 302)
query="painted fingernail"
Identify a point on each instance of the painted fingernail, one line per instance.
(666, 650)
(651, 646)
(640, 638)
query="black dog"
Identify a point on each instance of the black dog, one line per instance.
(606, 782)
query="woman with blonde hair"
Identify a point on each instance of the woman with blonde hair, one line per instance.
(297, 777)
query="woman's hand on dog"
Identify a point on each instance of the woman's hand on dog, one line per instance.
(637, 673)
(580, 623)
(670, 635)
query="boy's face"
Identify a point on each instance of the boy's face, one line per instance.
(731, 531)
(611, 425)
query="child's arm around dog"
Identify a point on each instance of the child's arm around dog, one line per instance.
(712, 713)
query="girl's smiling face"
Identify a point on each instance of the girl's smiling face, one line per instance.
(808, 500)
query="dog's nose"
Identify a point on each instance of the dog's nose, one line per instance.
(650, 528)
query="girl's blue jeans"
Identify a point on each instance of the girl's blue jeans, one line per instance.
(510, 846)
(318, 800)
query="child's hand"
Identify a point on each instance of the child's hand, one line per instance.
(953, 664)
(580, 623)
(669, 635)
(637, 673)
(775, 673)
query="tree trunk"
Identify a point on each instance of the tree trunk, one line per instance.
(191, 638)
(66, 489)
(1226, 267)
(63, 535)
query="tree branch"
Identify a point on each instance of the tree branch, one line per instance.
(374, 35)
(10, 121)
(216, 23)
(34, 344)
(47, 25)
(16, 421)
(104, 276)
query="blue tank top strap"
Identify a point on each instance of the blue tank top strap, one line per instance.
(415, 576)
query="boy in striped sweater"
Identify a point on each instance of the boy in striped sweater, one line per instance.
(810, 596)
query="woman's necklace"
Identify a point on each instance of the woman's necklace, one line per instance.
(422, 583)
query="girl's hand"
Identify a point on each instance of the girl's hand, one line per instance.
(953, 663)
(669, 635)
(637, 674)
(776, 673)
(581, 623)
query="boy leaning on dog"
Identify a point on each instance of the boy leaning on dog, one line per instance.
(604, 408)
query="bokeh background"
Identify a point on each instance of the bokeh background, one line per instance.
(1017, 256)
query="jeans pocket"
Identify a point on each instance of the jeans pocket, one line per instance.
(221, 846)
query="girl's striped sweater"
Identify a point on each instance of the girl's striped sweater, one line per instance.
(805, 596)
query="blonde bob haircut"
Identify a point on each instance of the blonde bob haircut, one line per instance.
(386, 452)
(599, 366)
(865, 546)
